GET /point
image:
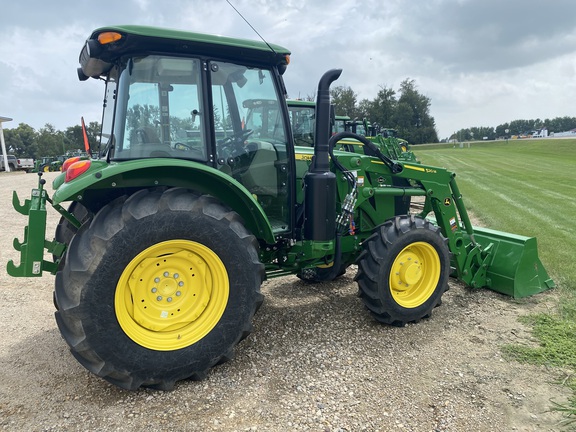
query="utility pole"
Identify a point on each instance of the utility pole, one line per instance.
(4, 153)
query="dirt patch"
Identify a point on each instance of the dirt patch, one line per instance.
(316, 361)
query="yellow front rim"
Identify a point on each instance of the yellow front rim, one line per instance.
(171, 295)
(415, 274)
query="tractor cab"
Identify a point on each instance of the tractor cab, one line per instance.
(223, 110)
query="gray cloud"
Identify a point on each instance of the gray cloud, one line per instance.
(481, 62)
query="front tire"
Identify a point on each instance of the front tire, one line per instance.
(159, 287)
(403, 270)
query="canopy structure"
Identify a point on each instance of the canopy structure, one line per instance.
(4, 154)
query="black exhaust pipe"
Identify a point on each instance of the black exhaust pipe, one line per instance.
(319, 181)
(322, 132)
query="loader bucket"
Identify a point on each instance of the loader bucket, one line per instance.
(514, 267)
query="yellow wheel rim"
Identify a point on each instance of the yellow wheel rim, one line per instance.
(46, 168)
(414, 275)
(171, 295)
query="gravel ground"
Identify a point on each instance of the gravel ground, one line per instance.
(316, 361)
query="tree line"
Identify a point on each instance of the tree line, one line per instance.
(26, 142)
(406, 110)
(409, 114)
(515, 127)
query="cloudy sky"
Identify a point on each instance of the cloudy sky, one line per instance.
(481, 62)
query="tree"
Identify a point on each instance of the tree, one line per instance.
(50, 142)
(344, 101)
(382, 108)
(412, 115)
(74, 137)
(21, 140)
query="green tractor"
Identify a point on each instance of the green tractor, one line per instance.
(167, 234)
(386, 139)
(49, 163)
(340, 123)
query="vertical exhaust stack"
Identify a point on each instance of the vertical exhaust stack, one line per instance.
(319, 181)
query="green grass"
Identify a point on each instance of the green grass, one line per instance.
(528, 187)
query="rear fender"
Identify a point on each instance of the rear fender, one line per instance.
(151, 173)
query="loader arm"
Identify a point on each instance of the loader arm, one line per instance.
(504, 262)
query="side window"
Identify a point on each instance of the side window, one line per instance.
(162, 108)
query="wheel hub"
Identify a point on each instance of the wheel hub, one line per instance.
(414, 274)
(410, 270)
(171, 294)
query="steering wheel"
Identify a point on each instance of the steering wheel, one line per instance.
(233, 145)
(236, 139)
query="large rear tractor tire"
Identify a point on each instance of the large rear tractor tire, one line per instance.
(65, 230)
(403, 270)
(157, 288)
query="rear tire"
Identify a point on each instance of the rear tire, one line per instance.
(65, 231)
(403, 270)
(159, 287)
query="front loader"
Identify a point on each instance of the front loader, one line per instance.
(168, 230)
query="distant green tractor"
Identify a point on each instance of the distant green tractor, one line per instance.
(340, 124)
(43, 164)
(167, 234)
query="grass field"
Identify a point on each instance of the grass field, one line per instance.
(526, 187)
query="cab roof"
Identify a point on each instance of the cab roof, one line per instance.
(141, 40)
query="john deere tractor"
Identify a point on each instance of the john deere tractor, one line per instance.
(167, 234)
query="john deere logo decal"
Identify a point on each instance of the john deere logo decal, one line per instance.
(447, 201)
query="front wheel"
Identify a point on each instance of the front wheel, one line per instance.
(159, 287)
(403, 270)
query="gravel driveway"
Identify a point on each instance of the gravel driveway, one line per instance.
(316, 361)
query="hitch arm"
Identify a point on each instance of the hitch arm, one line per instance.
(32, 263)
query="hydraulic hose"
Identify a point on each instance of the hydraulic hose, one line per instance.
(373, 149)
